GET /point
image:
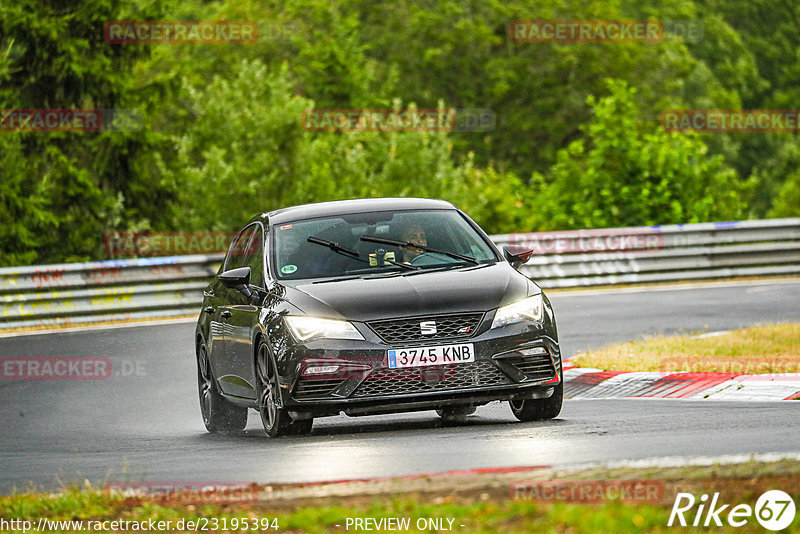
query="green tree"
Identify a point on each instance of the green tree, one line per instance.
(207, 129)
(245, 151)
(632, 173)
(787, 201)
(63, 190)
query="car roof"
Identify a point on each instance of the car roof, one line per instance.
(346, 207)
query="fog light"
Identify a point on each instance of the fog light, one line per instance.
(534, 351)
(320, 369)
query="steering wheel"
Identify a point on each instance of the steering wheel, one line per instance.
(418, 260)
(430, 258)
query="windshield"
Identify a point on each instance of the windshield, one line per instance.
(342, 245)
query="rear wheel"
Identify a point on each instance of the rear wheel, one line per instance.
(539, 409)
(276, 420)
(219, 415)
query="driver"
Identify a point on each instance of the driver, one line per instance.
(414, 233)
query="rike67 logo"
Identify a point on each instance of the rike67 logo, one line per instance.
(774, 510)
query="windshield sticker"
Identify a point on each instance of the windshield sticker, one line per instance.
(286, 227)
(288, 269)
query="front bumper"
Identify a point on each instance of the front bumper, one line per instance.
(514, 362)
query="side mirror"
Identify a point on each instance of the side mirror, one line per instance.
(238, 279)
(517, 260)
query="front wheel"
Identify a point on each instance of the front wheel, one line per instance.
(276, 420)
(539, 409)
(219, 415)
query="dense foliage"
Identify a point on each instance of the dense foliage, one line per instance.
(217, 135)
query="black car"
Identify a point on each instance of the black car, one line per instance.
(372, 306)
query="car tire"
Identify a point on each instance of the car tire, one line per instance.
(539, 409)
(456, 414)
(219, 415)
(276, 420)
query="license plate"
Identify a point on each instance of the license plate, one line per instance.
(436, 355)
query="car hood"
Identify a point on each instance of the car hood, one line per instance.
(478, 288)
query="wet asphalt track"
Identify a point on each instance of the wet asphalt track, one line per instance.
(146, 425)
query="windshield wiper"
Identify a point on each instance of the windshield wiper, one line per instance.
(448, 267)
(342, 279)
(408, 244)
(403, 265)
(336, 247)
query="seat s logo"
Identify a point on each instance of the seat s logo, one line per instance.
(427, 327)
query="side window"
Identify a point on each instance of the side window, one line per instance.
(237, 252)
(255, 258)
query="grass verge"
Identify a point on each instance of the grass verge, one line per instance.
(482, 507)
(755, 350)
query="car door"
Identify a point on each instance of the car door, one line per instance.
(220, 325)
(238, 378)
(215, 297)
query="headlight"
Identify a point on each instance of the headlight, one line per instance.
(528, 309)
(308, 328)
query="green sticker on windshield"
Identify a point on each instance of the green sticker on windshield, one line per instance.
(288, 269)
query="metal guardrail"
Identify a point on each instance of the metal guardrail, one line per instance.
(661, 253)
(104, 290)
(169, 286)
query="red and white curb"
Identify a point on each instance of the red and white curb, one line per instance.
(587, 383)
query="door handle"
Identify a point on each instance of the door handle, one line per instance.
(225, 314)
(209, 309)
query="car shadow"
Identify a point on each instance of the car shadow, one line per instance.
(354, 427)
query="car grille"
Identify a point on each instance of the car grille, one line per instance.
(536, 367)
(439, 378)
(408, 329)
(315, 388)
